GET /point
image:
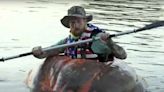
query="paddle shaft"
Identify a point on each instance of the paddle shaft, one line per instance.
(16, 56)
(52, 48)
(150, 26)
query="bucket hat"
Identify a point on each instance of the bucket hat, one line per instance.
(75, 11)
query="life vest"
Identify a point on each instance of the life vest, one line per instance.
(84, 50)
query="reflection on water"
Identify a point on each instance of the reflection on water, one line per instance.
(21, 22)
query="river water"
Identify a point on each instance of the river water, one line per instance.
(25, 24)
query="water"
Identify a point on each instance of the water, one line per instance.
(25, 24)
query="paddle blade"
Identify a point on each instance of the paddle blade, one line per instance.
(153, 25)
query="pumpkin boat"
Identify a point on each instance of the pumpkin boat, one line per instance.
(63, 74)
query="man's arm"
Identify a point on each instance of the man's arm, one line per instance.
(106, 46)
(39, 53)
(117, 50)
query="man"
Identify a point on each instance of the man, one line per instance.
(104, 49)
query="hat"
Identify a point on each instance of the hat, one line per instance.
(75, 11)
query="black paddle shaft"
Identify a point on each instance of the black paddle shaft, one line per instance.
(147, 27)
(16, 56)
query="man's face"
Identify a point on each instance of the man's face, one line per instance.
(77, 25)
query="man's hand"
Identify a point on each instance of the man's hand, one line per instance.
(38, 52)
(104, 37)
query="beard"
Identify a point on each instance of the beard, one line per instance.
(77, 32)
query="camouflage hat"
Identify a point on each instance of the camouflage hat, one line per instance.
(75, 11)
